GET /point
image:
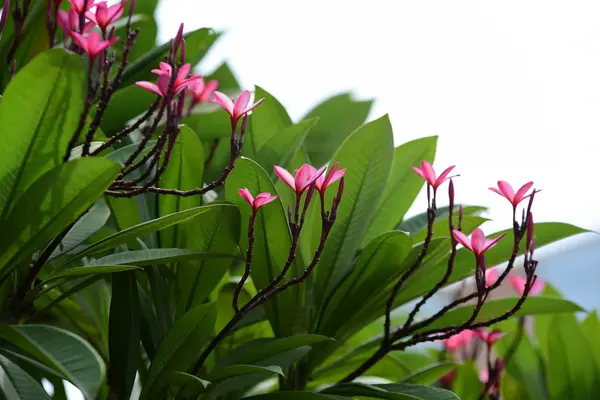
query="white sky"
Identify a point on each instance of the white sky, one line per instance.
(512, 88)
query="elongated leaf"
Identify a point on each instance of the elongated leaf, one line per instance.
(441, 227)
(494, 308)
(418, 222)
(225, 76)
(180, 348)
(157, 256)
(571, 371)
(125, 105)
(591, 330)
(79, 272)
(338, 117)
(430, 374)
(397, 391)
(140, 230)
(37, 124)
(367, 154)
(267, 121)
(420, 392)
(402, 186)
(186, 385)
(283, 395)
(222, 373)
(57, 199)
(466, 383)
(17, 384)
(184, 172)
(63, 352)
(271, 245)
(124, 332)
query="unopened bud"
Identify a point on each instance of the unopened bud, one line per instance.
(179, 37)
(244, 125)
(182, 53)
(131, 8)
(451, 196)
(530, 228)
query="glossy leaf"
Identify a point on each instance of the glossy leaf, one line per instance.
(79, 272)
(397, 391)
(418, 222)
(466, 383)
(367, 154)
(180, 348)
(38, 124)
(402, 186)
(17, 384)
(186, 385)
(430, 374)
(338, 117)
(61, 351)
(222, 373)
(157, 256)
(591, 330)
(125, 105)
(56, 200)
(299, 395)
(268, 121)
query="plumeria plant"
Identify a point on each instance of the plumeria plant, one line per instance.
(166, 234)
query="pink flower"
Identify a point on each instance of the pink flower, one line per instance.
(202, 92)
(518, 283)
(505, 190)
(237, 108)
(458, 341)
(78, 5)
(69, 21)
(334, 174)
(164, 80)
(305, 176)
(105, 15)
(477, 243)
(489, 337)
(426, 172)
(491, 276)
(92, 44)
(259, 201)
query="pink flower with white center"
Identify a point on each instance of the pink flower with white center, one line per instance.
(489, 337)
(518, 283)
(505, 190)
(69, 21)
(305, 176)
(237, 108)
(477, 243)
(105, 15)
(458, 341)
(202, 92)
(259, 201)
(426, 172)
(491, 276)
(92, 44)
(164, 80)
(79, 5)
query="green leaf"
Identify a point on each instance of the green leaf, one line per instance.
(124, 333)
(402, 186)
(338, 117)
(466, 383)
(57, 199)
(367, 154)
(225, 76)
(268, 121)
(38, 124)
(222, 373)
(186, 385)
(441, 228)
(125, 105)
(17, 384)
(418, 222)
(158, 256)
(271, 245)
(494, 308)
(197, 44)
(180, 348)
(183, 172)
(570, 370)
(61, 351)
(354, 302)
(396, 391)
(430, 374)
(79, 272)
(591, 330)
(292, 396)
(257, 351)
(140, 230)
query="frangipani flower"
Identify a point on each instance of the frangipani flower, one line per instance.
(518, 283)
(305, 176)
(237, 108)
(259, 201)
(505, 190)
(164, 80)
(69, 21)
(489, 337)
(92, 44)
(477, 243)
(78, 5)
(334, 174)
(458, 341)
(105, 15)
(426, 172)
(202, 92)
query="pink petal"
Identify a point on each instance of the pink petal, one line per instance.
(183, 72)
(518, 283)
(478, 241)
(149, 86)
(208, 90)
(284, 175)
(245, 193)
(506, 190)
(239, 106)
(314, 177)
(303, 175)
(63, 20)
(163, 83)
(491, 276)
(522, 191)
(262, 199)
(419, 172)
(80, 40)
(489, 243)
(253, 106)
(329, 176)
(484, 375)
(89, 15)
(224, 101)
(537, 287)
(337, 175)
(443, 177)
(429, 172)
(493, 189)
(494, 336)
(115, 12)
(462, 239)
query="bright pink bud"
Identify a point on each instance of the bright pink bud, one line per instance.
(237, 108)
(489, 337)
(202, 92)
(92, 44)
(426, 172)
(164, 80)
(305, 176)
(491, 276)
(105, 15)
(458, 341)
(259, 201)
(334, 174)
(477, 243)
(518, 283)
(505, 190)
